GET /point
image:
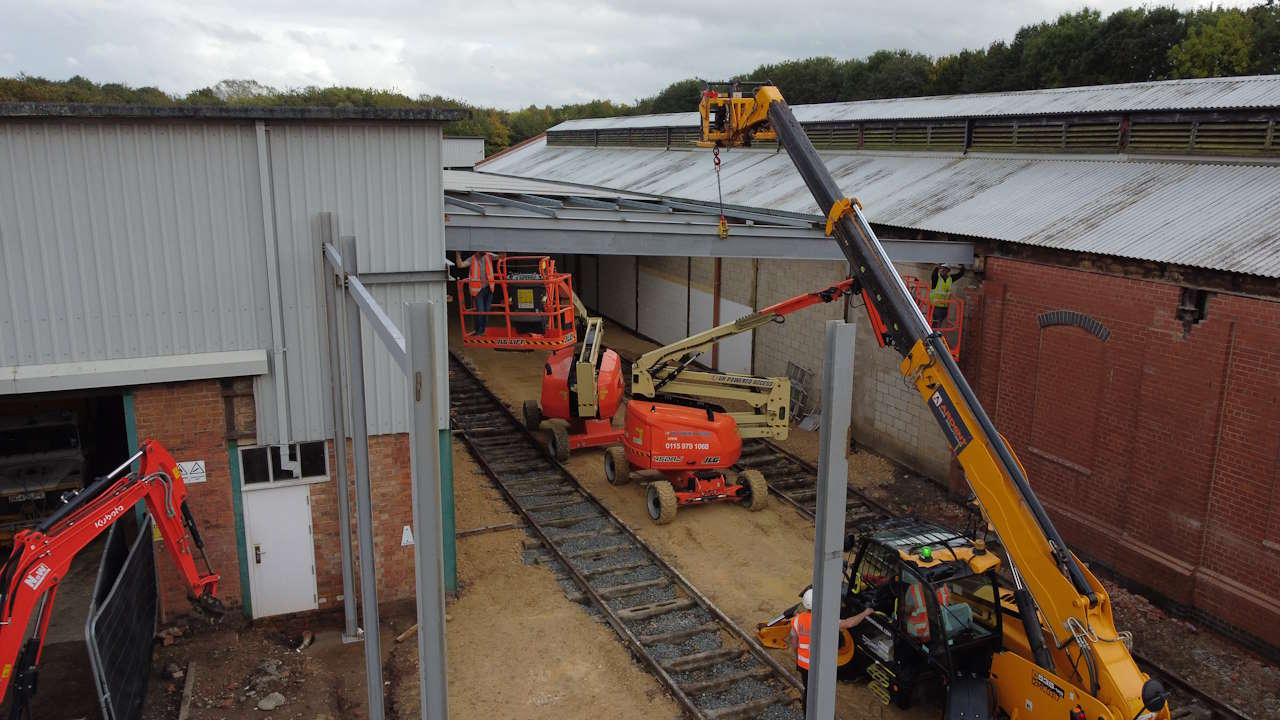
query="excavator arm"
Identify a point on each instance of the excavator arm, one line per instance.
(669, 369)
(42, 556)
(1055, 592)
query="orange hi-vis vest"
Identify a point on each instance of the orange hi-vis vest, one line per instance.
(800, 623)
(481, 273)
(918, 611)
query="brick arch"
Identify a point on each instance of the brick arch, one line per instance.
(1075, 319)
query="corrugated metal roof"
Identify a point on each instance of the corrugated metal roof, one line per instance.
(1257, 91)
(1220, 217)
(230, 112)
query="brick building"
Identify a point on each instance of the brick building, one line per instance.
(1121, 313)
(163, 268)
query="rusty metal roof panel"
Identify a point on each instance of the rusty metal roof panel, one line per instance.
(1207, 94)
(1214, 216)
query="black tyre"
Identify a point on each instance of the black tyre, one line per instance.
(757, 490)
(616, 468)
(558, 444)
(661, 499)
(532, 415)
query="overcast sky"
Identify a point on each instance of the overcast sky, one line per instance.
(505, 54)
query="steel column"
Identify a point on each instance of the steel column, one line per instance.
(424, 454)
(364, 496)
(828, 546)
(333, 320)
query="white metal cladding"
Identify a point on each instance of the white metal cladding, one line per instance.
(1258, 91)
(1215, 216)
(124, 240)
(384, 183)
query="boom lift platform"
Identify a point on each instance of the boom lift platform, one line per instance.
(581, 386)
(42, 556)
(1068, 661)
(674, 426)
(532, 307)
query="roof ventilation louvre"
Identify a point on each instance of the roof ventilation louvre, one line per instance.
(916, 138)
(1039, 138)
(845, 137)
(994, 137)
(572, 137)
(649, 137)
(946, 137)
(613, 138)
(1245, 138)
(877, 137)
(685, 137)
(1160, 137)
(1093, 136)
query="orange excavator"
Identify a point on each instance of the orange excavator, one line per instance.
(675, 427)
(42, 556)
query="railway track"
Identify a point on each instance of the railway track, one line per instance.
(712, 668)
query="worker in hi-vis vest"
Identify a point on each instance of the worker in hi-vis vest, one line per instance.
(480, 285)
(940, 292)
(799, 639)
(917, 610)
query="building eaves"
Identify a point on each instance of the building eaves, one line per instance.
(229, 112)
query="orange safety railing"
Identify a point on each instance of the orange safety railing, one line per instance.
(951, 328)
(531, 309)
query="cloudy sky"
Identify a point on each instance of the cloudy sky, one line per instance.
(505, 54)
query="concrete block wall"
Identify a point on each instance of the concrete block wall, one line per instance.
(800, 339)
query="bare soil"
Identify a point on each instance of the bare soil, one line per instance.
(751, 565)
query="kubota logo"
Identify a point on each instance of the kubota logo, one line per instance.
(111, 515)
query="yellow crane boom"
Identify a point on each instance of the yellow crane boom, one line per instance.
(1073, 660)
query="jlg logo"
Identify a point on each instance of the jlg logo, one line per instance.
(112, 515)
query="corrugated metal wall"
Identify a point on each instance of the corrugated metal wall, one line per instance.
(385, 185)
(122, 240)
(132, 239)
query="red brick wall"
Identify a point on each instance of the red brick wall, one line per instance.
(1157, 452)
(188, 419)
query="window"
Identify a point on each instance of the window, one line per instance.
(297, 462)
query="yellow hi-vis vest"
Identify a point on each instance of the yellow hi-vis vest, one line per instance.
(940, 293)
(481, 273)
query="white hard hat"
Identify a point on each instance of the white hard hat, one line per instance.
(807, 599)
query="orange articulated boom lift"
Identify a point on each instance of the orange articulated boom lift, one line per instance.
(42, 556)
(673, 425)
(1061, 657)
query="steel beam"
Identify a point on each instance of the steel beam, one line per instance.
(331, 284)
(655, 206)
(382, 325)
(828, 539)
(364, 495)
(459, 202)
(650, 236)
(592, 203)
(424, 456)
(518, 204)
(759, 217)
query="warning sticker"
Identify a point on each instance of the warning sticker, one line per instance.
(944, 411)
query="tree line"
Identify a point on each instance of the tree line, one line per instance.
(1078, 48)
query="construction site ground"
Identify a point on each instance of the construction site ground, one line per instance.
(518, 647)
(753, 564)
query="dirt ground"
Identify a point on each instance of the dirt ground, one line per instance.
(751, 565)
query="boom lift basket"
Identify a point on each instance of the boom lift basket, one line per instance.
(952, 329)
(532, 307)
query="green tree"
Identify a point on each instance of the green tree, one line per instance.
(1266, 38)
(1059, 53)
(681, 96)
(1133, 44)
(1219, 43)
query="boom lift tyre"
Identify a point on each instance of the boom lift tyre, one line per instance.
(616, 468)
(1063, 658)
(757, 490)
(660, 497)
(532, 415)
(558, 443)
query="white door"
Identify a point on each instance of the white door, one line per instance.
(282, 570)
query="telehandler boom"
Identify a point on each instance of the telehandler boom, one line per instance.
(1070, 663)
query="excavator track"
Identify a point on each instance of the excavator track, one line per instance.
(712, 668)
